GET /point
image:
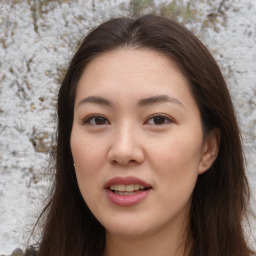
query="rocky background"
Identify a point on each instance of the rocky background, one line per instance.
(37, 40)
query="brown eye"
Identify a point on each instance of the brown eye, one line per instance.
(96, 120)
(159, 120)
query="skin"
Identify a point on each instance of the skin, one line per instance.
(161, 142)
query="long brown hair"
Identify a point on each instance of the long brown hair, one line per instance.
(220, 198)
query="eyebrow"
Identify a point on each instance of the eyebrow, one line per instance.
(142, 102)
(158, 99)
(95, 100)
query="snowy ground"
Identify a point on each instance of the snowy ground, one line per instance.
(36, 44)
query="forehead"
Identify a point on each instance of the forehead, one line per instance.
(127, 69)
(137, 60)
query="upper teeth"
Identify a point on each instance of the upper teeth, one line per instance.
(128, 188)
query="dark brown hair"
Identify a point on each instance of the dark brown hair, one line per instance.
(220, 198)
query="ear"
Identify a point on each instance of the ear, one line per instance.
(210, 150)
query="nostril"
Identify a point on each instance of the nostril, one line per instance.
(123, 162)
(125, 155)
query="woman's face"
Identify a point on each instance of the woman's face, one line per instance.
(137, 142)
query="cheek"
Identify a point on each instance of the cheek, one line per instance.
(176, 173)
(180, 153)
(176, 162)
(89, 158)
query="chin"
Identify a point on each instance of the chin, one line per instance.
(128, 229)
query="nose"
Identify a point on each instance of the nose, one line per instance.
(126, 147)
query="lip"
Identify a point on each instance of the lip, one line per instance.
(126, 200)
(126, 181)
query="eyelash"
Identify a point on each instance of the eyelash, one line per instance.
(88, 119)
(166, 119)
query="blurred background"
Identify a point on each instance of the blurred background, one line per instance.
(37, 41)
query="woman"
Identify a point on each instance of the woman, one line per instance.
(149, 158)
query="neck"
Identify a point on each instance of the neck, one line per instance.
(165, 244)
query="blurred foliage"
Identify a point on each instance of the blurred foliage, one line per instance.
(37, 8)
(45, 2)
(185, 11)
(138, 6)
(217, 13)
(176, 10)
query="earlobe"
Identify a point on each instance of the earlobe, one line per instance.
(210, 150)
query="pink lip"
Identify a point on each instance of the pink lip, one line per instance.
(126, 181)
(126, 200)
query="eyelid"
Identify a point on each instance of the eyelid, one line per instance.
(167, 117)
(87, 119)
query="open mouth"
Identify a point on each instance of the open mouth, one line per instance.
(125, 190)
